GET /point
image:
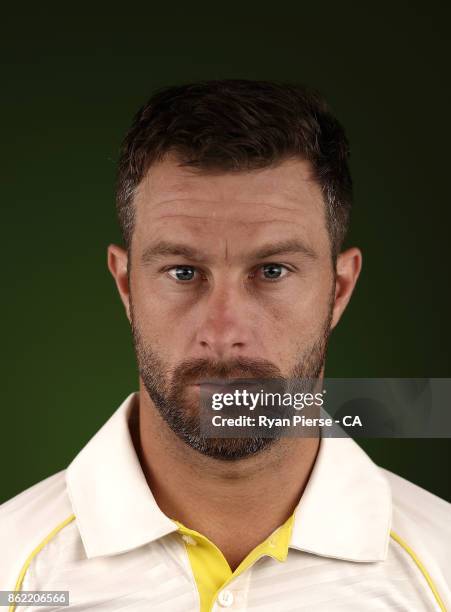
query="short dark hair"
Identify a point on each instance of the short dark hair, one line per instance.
(235, 125)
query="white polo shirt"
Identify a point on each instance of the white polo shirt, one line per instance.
(363, 539)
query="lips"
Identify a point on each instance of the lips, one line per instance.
(227, 386)
(217, 386)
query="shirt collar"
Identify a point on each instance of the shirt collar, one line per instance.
(344, 512)
(112, 502)
(346, 509)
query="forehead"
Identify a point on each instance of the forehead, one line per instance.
(282, 201)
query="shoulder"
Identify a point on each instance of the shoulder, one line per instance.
(422, 520)
(26, 520)
(420, 505)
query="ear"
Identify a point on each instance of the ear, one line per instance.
(117, 265)
(349, 264)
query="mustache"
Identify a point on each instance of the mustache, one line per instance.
(198, 370)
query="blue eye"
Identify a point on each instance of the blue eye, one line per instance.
(182, 273)
(274, 271)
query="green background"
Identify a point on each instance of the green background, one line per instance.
(71, 83)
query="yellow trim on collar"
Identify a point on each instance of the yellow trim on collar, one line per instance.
(210, 568)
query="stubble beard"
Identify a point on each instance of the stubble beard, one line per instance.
(167, 390)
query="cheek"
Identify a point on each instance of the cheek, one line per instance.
(299, 320)
(164, 324)
(284, 330)
(303, 305)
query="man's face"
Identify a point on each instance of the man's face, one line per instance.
(231, 275)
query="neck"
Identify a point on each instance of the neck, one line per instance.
(236, 504)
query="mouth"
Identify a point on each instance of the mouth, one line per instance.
(222, 386)
(216, 386)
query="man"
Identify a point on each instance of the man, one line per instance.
(234, 200)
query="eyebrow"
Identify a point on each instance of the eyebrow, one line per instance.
(163, 248)
(284, 247)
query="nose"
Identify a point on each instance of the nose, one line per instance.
(224, 329)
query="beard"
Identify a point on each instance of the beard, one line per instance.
(168, 389)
